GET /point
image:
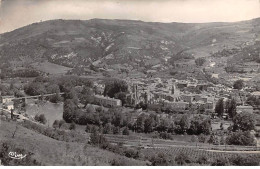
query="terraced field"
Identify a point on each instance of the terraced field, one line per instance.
(193, 153)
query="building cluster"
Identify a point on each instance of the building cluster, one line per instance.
(172, 93)
(7, 102)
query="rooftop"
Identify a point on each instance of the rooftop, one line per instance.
(257, 93)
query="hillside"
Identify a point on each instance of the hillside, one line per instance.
(129, 44)
(48, 151)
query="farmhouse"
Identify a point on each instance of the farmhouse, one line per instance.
(107, 101)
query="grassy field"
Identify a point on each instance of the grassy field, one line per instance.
(50, 68)
(52, 152)
(51, 111)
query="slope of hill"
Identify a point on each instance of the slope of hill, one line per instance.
(48, 151)
(132, 44)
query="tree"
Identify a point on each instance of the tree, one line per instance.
(244, 160)
(239, 84)
(86, 96)
(61, 122)
(35, 88)
(222, 140)
(121, 96)
(241, 138)
(41, 118)
(72, 126)
(219, 108)
(182, 159)
(148, 125)
(55, 124)
(159, 160)
(69, 109)
(139, 124)
(220, 162)
(125, 131)
(200, 61)
(114, 86)
(244, 121)
(55, 98)
(184, 123)
(116, 130)
(107, 128)
(231, 108)
(213, 139)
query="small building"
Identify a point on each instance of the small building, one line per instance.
(256, 94)
(248, 109)
(9, 105)
(6, 99)
(177, 105)
(107, 101)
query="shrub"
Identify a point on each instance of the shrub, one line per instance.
(159, 160)
(72, 126)
(202, 159)
(182, 159)
(55, 124)
(165, 135)
(125, 131)
(41, 118)
(220, 162)
(131, 153)
(241, 138)
(202, 138)
(118, 162)
(240, 160)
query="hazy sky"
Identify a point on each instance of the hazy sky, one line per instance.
(17, 13)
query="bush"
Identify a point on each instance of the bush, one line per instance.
(55, 124)
(125, 131)
(118, 162)
(131, 153)
(240, 160)
(241, 138)
(72, 126)
(41, 118)
(159, 160)
(202, 138)
(165, 135)
(202, 159)
(220, 162)
(182, 159)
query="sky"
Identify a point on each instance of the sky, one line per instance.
(18, 13)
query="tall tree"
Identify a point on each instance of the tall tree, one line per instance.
(239, 84)
(244, 121)
(231, 109)
(219, 108)
(114, 86)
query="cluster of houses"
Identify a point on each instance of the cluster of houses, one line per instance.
(7, 102)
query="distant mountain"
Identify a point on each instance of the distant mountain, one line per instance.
(76, 43)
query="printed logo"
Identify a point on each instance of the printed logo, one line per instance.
(15, 155)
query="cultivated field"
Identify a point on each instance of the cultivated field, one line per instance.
(50, 68)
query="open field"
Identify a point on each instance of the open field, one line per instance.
(50, 68)
(52, 152)
(51, 111)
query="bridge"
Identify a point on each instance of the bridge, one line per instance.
(34, 97)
